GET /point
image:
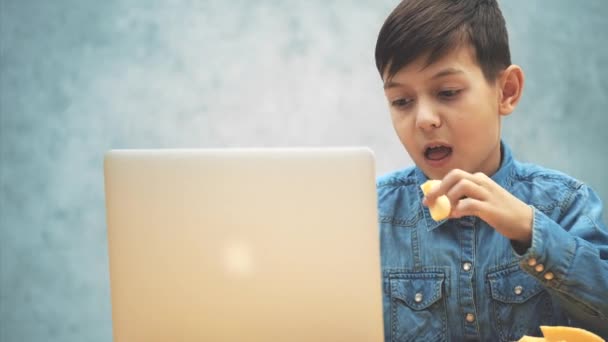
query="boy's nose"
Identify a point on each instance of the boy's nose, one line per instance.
(426, 117)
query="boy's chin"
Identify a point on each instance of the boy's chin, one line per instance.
(431, 173)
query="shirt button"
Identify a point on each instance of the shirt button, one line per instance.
(531, 262)
(518, 290)
(539, 268)
(470, 318)
(467, 266)
(549, 276)
(418, 297)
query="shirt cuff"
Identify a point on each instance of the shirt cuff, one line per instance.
(551, 253)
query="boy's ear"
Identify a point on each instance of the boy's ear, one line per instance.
(511, 83)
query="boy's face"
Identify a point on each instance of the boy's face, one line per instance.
(446, 114)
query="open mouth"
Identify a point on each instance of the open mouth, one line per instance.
(437, 152)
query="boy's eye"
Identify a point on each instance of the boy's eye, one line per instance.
(401, 102)
(450, 93)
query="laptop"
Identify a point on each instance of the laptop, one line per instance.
(269, 244)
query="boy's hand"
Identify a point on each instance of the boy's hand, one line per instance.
(478, 195)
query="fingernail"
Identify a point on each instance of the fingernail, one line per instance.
(435, 187)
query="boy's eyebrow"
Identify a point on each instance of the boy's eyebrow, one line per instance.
(447, 72)
(391, 84)
(442, 73)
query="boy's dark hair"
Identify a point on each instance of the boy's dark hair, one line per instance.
(417, 27)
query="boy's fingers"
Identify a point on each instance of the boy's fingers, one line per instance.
(456, 176)
(452, 178)
(434, 192)
(474, 185)
(467, 207)
(425, 202)
(466, 189)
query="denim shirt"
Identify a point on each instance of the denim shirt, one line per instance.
(458, 279)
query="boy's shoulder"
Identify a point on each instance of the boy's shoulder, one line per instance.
(551, 191)
(540, 176)
(399, 178)
(399, 195)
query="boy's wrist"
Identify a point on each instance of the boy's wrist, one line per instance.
(524, 241)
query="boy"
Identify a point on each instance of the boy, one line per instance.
(523, 246)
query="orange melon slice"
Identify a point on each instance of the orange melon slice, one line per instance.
(563, 334)
(532, 339)
(441, 208)
(569, 334)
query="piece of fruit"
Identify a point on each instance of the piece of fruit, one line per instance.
(441, 208)
(569, 334)
(532, 339)
(563, 334)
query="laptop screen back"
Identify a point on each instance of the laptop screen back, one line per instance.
(243, 245)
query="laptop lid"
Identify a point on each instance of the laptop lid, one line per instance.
(243, 245)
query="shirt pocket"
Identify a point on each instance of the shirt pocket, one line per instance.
(520, 304)
(418, 310)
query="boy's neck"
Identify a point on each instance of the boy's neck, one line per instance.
(495, 169)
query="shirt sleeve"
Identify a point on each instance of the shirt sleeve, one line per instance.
(570, 258)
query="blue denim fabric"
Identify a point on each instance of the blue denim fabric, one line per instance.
(435, 275)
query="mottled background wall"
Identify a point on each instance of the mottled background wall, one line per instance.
(81, 77)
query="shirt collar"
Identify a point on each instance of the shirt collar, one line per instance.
(501, 177)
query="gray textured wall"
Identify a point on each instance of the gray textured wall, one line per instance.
(81, 77)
